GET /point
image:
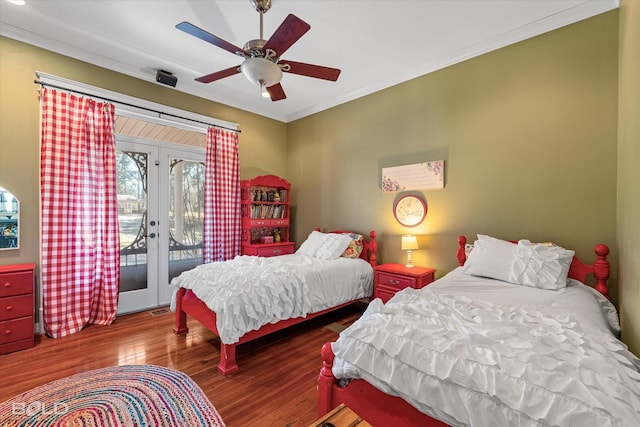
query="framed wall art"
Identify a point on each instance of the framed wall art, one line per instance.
(410, 210)
(418, 176)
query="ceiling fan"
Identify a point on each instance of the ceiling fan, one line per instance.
(263, 63)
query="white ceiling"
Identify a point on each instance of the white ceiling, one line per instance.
(376, 43)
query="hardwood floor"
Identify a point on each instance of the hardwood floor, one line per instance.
(276, 385)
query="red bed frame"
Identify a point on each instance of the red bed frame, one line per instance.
(188, 303)
(380, 408)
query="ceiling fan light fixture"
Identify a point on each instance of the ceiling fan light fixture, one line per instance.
(261, 72)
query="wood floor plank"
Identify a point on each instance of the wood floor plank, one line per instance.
(276, 385)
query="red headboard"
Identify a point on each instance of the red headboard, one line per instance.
(369, 247)
(578, 269)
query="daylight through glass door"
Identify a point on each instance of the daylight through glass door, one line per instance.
(186, 215)
(161, 217)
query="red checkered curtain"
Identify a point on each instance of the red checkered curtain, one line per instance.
(80, 251)
(222, 227)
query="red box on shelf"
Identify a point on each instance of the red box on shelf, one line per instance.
(266, 239)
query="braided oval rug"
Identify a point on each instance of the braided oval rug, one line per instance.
(132, 396)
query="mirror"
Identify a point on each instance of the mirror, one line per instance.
(9, 220)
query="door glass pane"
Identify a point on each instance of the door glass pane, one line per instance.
(186, 215)
(131, 168)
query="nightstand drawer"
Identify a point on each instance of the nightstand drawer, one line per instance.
(16, 283)
(16, 329)
(19, 306)
(395, 281)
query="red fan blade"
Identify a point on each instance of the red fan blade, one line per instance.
(276, 92)
(208, 37)
(291, 29)
(311, 70)
(218, 75)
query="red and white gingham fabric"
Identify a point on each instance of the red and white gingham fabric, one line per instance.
(80, 265)
(222, 226)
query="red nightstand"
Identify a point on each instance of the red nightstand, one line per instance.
(391, 278)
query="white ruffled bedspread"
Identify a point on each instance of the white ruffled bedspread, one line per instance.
(474, 362)
(248, 292)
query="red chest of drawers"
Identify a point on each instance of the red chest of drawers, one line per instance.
(16, 307)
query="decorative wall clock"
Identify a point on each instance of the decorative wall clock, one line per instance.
(410, 210)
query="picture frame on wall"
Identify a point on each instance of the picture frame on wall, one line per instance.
(418, 176)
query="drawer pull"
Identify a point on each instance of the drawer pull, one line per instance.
(394, 281)
(9, 308)
(7, 331)
(7, 284)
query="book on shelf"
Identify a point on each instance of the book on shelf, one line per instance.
(268, 211)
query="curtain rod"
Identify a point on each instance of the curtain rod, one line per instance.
(132, 105)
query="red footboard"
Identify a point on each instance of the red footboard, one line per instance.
(368, 402)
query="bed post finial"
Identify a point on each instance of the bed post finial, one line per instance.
(326, 380)
(601, 269)
(461, 254)
(373, 247)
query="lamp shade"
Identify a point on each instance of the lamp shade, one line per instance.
(261, 71)
(409, 242)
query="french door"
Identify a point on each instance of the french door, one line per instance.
(161, 216)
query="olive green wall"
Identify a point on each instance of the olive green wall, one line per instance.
(629, 173)
(528, 134)
(262, 142)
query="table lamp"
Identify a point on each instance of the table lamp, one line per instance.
(409, 243)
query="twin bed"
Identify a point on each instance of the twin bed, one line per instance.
(511, 337)
(249, 297)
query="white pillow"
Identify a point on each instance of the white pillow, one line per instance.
(540, 266)
(310, 246)
(333, 246)
(490, 257)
